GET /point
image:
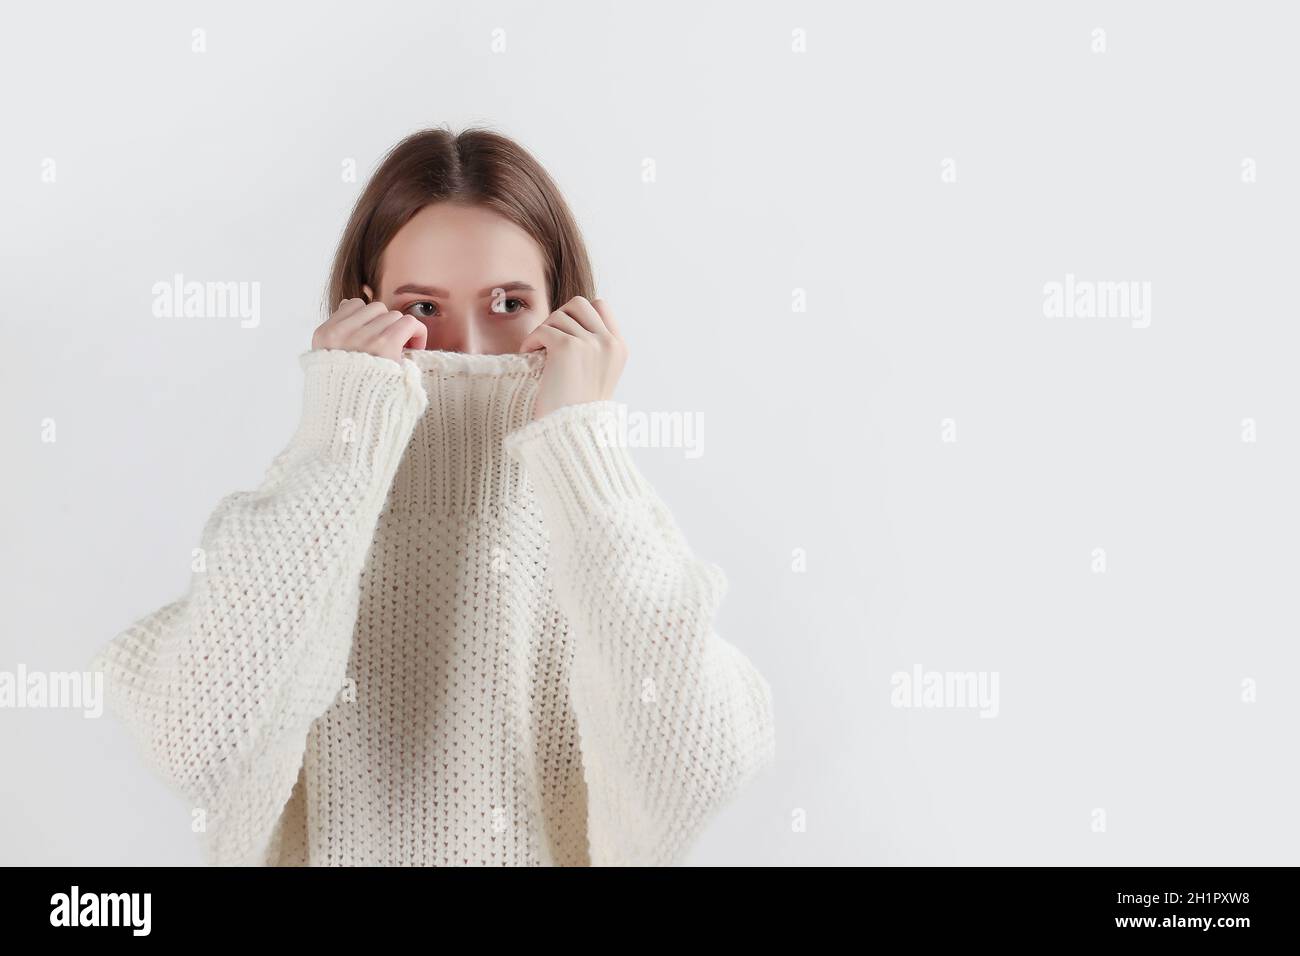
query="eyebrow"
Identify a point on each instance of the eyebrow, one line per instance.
(441, 293)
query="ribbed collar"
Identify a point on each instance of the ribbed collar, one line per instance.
(456, 462)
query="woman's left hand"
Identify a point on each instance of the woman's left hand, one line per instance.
(585, 354)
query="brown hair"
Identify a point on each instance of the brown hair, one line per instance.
(476, 167)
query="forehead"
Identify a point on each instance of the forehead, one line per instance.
(458, 247)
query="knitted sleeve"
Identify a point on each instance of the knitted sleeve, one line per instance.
(673, 720)
(219, 688)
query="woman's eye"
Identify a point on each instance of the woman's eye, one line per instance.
(498, 307)
(427, 310)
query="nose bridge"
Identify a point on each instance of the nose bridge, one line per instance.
(463, 331)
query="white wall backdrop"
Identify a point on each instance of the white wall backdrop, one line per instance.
(831, 233)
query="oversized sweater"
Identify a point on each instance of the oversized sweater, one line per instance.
(441, 632)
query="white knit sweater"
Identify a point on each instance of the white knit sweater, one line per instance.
(442, 633)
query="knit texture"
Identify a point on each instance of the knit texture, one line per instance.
(443, 633)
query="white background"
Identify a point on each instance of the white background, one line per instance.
(775, 171)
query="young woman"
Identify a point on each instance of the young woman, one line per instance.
(454, 625)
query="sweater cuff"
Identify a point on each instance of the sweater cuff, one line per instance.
(358, 409)
(578, 462)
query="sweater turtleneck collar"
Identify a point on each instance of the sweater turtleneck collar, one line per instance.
(456, 463)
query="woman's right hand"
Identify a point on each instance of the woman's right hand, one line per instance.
(374, 328)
